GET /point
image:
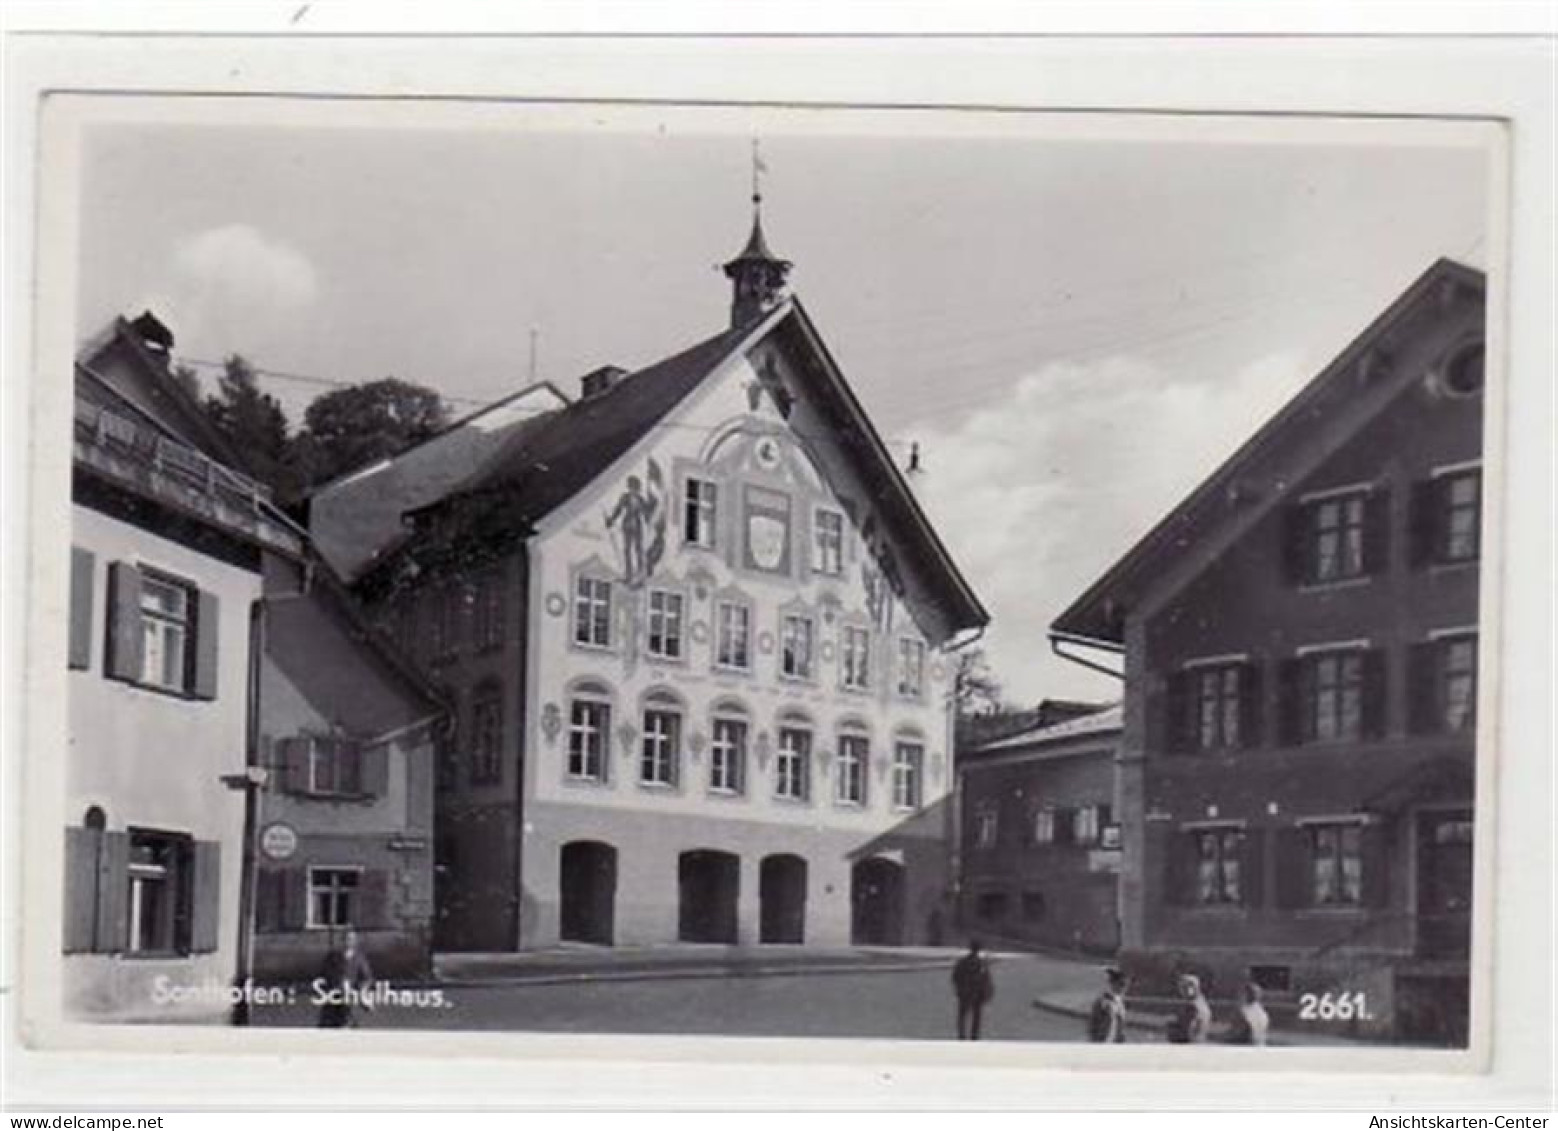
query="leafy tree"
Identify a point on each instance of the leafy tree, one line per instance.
(350, 427)
(975, 690)
(253, 423)
(188, 380)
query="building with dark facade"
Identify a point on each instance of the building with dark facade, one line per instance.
(1301, 654)
(1040, 844)
(694, 628)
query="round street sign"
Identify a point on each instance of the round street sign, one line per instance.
(278, 841)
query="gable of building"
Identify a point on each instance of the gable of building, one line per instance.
(1406, 346)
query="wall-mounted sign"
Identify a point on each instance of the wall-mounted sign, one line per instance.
(1109, 836)
(279, 841)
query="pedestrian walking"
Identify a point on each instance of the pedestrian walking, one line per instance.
(1192, 1021)
(1106, 1021)
(347, 976)
(972, 985)
(1251, 1022)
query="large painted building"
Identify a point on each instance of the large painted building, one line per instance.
(694, 627)
(1300, 646)
(166, 565)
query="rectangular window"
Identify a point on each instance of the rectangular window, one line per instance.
(856, 663)
(490, 611)
(1217, 877)
(487, 739)
(698, 510)
(911, 668)
(165, 630)
(1458, 684)
(734, 646)
(332, 896)
(991, 906)
(160, 893)
(334, 765)
(1460, 519)
(1087, 824)
(986, 827)
(665, 624)
(1333, 709)
(828, 542)
(792, 767)
(589, 730)
(1336, 865)
(908, 768)
(592, 612)
(1217, 706)
(854, 755)
(1335, 528)
(1044, 826)
(661, 749)
(728, 756)
(795, 647)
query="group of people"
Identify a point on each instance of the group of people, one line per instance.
(1189, 1024)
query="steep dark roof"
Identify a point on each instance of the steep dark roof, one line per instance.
(549, 462)
(1096, 614)
(756, 250)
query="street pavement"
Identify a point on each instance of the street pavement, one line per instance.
(878, 1000)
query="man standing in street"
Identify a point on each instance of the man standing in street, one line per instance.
(972, 984)
(1106, 1022)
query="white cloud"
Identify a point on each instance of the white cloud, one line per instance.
(233, 289)
(1037, 494)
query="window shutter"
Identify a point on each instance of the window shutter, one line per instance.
(373, 768)
(81, 563)
(1295, 544)
(81, 851)
(373, 901)
(1376, 708)
(268, 895)
(113, 894)
(1377, 514)
(1423, 522)
(1290, 701)
(1177, 707)
(1423, 688)
(293, 764)
(125, 643)
(1375, 849)
(208, 615)
(1291, 851)
(293, 883)
(1252, 865)
(205, 922)
(1252, 713)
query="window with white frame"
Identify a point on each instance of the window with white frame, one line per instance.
(665, 624)
(165, 627)
(160, 893)
(796, 644)
(334, 765)
(1335, 549)
(1218, 707)
(1336, 865)
(699, 505)
(1458, 683)
(828, 542)
(854, 755)
(1218, 868)
(589, 732)
(728, 755)
(908, 769)
(592, 612)
(1090, 822)
(792, 765)
(911, 668)
(733, 646)
(986, 826)
(1044, 826)
(333, 896)
(1459, 521)
(855, 663)
(1333, 701)
(661, 752)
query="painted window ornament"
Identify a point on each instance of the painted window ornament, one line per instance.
(764, 748)
(551, 722)
(627, 738)
(556, 604)
(641, 513)
(768, 530)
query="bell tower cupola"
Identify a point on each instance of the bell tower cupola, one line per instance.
(757, 275)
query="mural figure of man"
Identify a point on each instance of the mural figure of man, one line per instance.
(643, 526)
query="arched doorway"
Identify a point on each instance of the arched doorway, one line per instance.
(708, 883)
(782, 899)
(876, 902)
(588, 882)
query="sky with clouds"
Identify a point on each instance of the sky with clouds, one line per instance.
(1074, 328)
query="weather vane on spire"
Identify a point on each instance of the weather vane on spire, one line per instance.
(759, 167)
